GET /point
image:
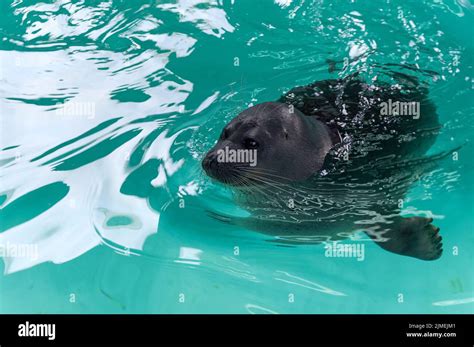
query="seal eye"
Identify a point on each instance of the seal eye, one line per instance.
(250, 143)
(224, 134)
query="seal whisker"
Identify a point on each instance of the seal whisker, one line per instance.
(268, 182)
(248, 184)
(270, 177)
(267, 174)
(260, 169)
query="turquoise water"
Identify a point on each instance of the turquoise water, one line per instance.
(107, 108)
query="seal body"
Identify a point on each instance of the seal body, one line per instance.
(334, 157)
(376, 121)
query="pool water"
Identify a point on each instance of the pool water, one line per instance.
(107, 108)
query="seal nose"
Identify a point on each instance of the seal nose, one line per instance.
(219, 170)
(209, 163)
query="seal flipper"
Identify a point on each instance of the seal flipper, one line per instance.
(413, 237)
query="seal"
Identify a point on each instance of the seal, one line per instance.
(332, 158)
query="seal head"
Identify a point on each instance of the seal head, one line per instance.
(271, 141)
